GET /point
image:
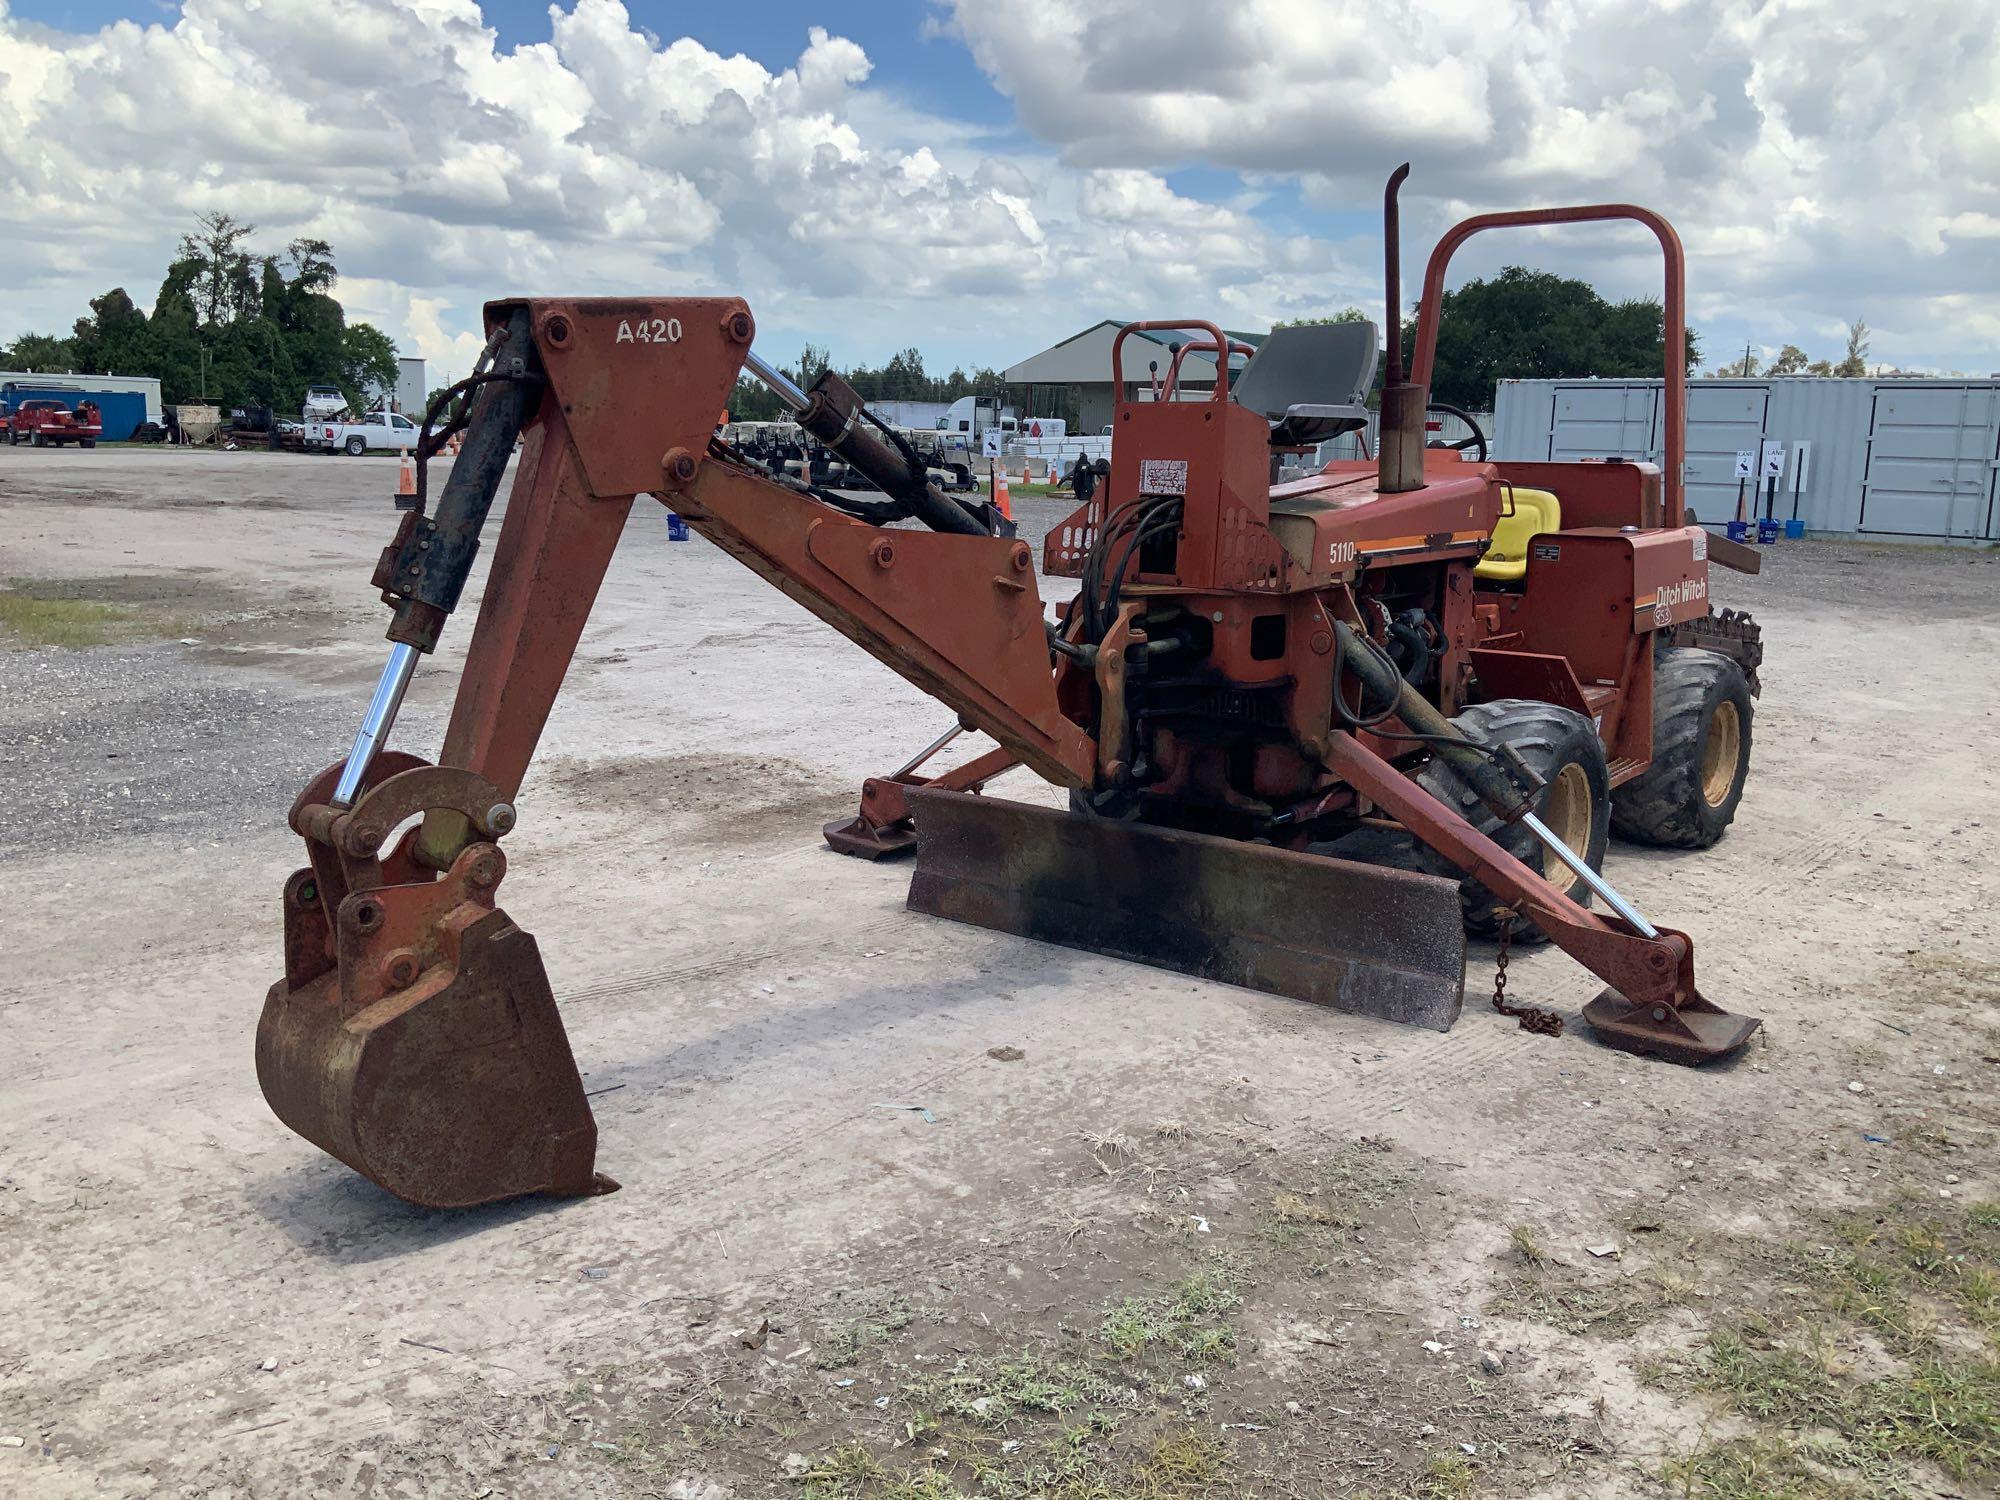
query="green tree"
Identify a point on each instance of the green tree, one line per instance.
(367, 363)
(237, 326)
(177, 347)
(312, 268)
(813, 363)
(225, 285)
(1345, 315)
(114, 339)
(1855, 364)
(1791, 360)
(1526, 324)
(40, 351)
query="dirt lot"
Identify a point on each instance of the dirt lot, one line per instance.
(1153, 1237)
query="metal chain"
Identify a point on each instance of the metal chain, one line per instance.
(1531, 1017)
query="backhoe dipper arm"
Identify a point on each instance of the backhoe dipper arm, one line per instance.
(414, 1034)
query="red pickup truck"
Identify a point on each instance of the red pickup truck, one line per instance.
(44, 422)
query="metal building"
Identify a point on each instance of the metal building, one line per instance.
(410, 390)
(1913, 460)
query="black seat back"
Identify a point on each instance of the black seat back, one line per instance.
(1311, 382)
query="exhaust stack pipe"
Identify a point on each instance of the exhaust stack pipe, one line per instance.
(1400, 446)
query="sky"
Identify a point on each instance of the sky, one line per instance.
(980, 178)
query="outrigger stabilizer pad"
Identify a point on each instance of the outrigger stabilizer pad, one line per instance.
(1695, 1031)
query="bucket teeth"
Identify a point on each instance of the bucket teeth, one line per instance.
(1357, 938)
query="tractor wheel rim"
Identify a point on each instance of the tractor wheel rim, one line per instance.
(1719, 754)
(1567, 814)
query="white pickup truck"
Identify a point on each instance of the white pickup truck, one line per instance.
(379, 429)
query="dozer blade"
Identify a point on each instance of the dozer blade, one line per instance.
(1358, 938)
(429, 1057)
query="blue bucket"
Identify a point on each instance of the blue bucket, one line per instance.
(1738, 531)
(677, 529)
(1767, 530)
(1795, 528)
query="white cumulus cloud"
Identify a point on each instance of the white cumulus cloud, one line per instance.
(1822, 161)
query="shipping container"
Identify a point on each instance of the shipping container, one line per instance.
(73, 388)
(1913, 460)
(118, 411)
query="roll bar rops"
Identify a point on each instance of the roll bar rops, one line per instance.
(1674, 419)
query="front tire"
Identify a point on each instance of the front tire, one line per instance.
(1562, 747)
(1687, 798)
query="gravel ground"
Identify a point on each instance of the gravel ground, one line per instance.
(193, 1301)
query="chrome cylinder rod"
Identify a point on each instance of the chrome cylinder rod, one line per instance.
(928, 751)
(375, 725)
(1590, 877)
(778, 381)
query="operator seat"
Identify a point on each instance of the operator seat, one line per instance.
(1529, 514)
(1311, 383)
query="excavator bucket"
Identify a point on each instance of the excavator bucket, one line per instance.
(1357, 938)
(428, 1054)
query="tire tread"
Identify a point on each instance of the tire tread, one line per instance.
(1663, 805)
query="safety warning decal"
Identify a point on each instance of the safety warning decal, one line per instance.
(1163, 476)
(1547, 552)
(1699, 538)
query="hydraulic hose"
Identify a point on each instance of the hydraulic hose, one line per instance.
(1383, 683)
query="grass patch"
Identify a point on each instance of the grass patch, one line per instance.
(1363, 1175)
(1935, 1411)
(1751, 1469)
(70, 623)
(992, 1392)
(1913, 1283)
(1186, 1460)
(841, 1473)
(842, 1340)
(1607, 1309)
(1074, 1464)
(1329, 1206)
(1527, 1248)
(1545, 1290)
(1445, 1476)
(51, 612)
(1953, 978)
(1189, 1321)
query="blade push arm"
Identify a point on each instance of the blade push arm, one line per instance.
(1652, 999)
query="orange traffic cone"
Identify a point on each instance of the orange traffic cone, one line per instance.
(1000, 496)
(406, 478)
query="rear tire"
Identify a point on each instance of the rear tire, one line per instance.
(356, 447)
(1686, 799)
(1562, 747)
